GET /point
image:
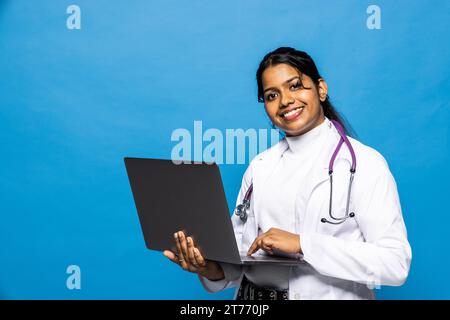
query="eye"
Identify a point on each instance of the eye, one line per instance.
(296, 85)
(271, 96)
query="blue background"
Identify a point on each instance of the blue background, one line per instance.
(73, 103)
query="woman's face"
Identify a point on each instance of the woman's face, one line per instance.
(292, 100)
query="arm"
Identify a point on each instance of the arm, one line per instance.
(232, 273)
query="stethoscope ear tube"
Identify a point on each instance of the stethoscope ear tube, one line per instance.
(330, 209)
(350, 215)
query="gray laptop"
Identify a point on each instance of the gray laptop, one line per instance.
(170, 197)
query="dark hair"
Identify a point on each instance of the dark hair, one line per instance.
(301, 61)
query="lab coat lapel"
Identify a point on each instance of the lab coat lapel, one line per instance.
(319, 172)
(263, 168)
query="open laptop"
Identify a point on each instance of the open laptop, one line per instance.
(171, 197)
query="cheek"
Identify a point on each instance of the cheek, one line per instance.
(308, 96)
(271, 108)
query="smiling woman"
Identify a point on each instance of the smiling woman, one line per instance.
(349, 237)
(294, 94)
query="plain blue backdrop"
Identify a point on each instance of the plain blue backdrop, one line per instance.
(73, 103)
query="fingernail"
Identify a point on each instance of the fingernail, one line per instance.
(175, 235)
(180, 234)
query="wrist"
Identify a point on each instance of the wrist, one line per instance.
(214, 271)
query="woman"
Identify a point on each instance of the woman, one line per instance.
(346, 249)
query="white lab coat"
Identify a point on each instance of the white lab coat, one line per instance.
(339, 261)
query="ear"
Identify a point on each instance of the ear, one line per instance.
(323, 89)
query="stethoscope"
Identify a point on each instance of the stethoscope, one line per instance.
(242, 209)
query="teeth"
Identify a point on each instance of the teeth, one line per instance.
(291, 112)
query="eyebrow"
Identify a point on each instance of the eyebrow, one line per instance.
(287, 81)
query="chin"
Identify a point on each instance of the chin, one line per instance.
(294, 130)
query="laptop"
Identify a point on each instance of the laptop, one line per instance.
(171, 197)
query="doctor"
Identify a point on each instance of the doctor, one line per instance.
(318, 194)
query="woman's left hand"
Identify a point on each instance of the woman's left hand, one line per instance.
(276, 239)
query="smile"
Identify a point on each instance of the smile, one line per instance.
(293, 114)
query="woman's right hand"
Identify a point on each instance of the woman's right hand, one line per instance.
(190, 259)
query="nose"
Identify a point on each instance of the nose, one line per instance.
(286, 100)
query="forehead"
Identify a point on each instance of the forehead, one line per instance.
(276, 75)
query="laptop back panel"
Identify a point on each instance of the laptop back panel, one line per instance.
(190, 197)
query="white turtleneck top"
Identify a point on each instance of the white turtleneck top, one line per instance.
(283, 188)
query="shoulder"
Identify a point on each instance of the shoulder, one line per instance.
(368, 159)
(264, 156)
(373, 180)
(272, 151)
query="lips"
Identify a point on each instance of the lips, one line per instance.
(292, 114)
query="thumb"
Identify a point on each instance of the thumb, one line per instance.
(169, 254)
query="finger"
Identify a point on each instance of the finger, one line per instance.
(190, 249)
(254, 247)
(181, 258)
(266, 245)
(183, 244)
(251, 249)
(171, 256)
(199, 258)
(260, 245)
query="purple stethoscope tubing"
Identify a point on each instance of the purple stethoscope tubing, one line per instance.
(243, 208)
(345, 140)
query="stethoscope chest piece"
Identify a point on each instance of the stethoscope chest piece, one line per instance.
(242, 210)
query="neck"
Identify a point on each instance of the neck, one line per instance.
(315, 124)
(309, 140)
